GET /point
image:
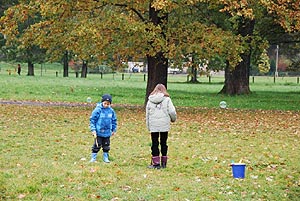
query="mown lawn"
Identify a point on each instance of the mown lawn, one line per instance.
(265, 94)
(45, 149)
(45, 153)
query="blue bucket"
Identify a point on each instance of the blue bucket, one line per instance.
(238, 170)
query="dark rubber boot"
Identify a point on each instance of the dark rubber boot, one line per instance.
(155, 163)
(164, 160)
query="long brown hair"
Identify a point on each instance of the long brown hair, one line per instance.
(160, 88)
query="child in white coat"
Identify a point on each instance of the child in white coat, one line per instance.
(160, 112)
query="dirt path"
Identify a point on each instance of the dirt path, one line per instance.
(39, 103)
(61, 104)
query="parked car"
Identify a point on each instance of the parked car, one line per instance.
(135, 69)
(174, 70)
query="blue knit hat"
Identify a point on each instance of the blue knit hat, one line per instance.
(106, 97)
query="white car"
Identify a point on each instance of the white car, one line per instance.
(174, 70)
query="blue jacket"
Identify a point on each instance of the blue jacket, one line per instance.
(103, 121)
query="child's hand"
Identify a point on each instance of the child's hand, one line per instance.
(113, 133)
(94, 134)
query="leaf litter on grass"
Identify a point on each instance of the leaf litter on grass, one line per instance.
(44, 146)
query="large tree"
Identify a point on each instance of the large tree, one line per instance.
(157, 29)
(122, 29)
(20, 47)
(244, 19)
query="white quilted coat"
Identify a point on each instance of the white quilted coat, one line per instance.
(160, 111)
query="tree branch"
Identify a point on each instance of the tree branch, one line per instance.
(133, 10)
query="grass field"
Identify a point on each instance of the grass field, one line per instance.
(130, 89)
(45, 149)
(45, 153)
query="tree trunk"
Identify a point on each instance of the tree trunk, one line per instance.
(66, 64)
(30, 69)
(158, 64)
(194, 71)
(194, 75)
(157, 72)
(84, 69)
(237, 79)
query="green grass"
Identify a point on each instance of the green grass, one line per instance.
(130, 89)
(45, 150)
(45, 153)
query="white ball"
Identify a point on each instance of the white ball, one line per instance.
(89, 99)
(223, 104)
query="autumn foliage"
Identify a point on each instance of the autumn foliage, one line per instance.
(158, 31)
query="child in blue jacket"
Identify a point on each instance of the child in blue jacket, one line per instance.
(103, 125)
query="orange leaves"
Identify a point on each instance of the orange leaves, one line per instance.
(288, 13)
(239, 8)
(166, 5)
(201, 144)
(176, 188)
(246, 123)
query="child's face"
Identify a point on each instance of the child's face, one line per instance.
(106, 104)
